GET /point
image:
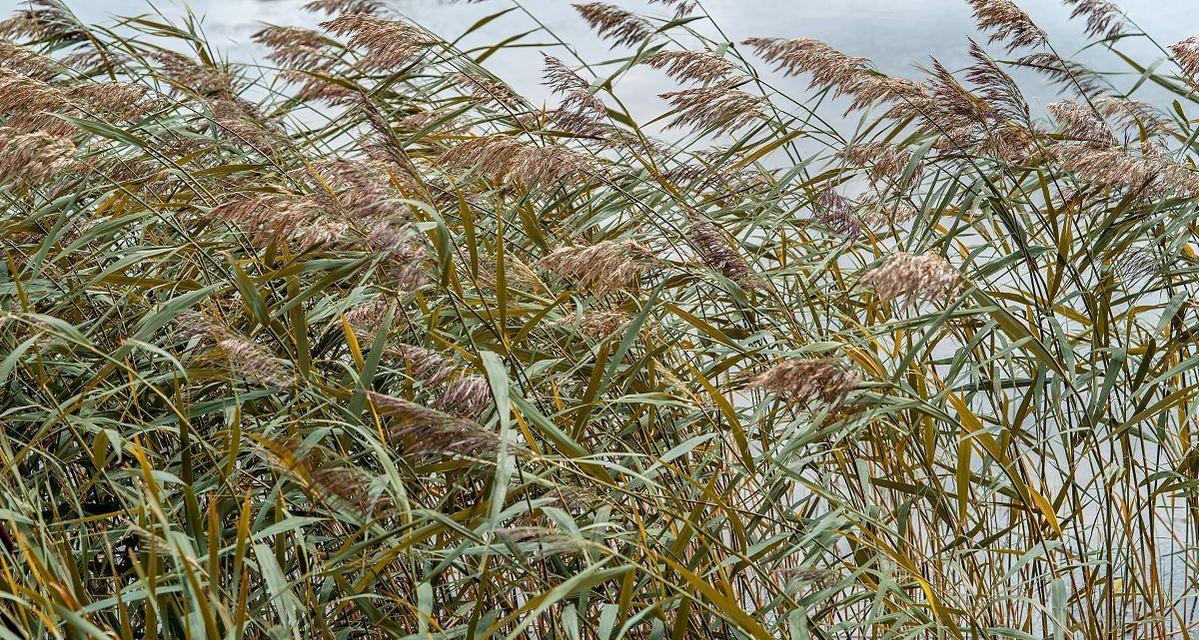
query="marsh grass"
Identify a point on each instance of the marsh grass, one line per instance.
(362, 343)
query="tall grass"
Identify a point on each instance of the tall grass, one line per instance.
(362, 343)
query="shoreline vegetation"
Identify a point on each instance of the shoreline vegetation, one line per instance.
(360, 343)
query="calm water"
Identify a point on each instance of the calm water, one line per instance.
(897, 35)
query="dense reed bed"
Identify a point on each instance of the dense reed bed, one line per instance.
(361, 343)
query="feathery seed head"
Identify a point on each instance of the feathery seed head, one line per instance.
(692, 66)
(614, 23)
(1007, 23)
(601, 267)
(916, 278)
(802, 381)
(722, 107)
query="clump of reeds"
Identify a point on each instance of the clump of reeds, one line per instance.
(364, 342)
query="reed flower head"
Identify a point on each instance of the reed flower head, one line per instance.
(578, 100)
(1104, 18)
(722, 107)
(426, 365)
(715, 250)
(24, 61)
(614, 23)
(839, 214)
(596, 324)
(916, 278)
(681, 7)
(348, 484)
(281, 219)
(488, 90)
(845, 75)
(336, 7)
(886, 164)
(505, 159)
(1152, 173)
(48, 20)
(1186, 55)
(1007, 23)
(389, 44)
(1080, 122)
(367, 318)
(802, 381)
(426, 432)
(294, 47)
(253, 360)
(601, 267)
(33, 158)
(692, 66)
(466, 397)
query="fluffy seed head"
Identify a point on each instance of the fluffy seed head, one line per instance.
(253, 360)
(426, 432)
(722, 107)
(294, 47)
(1007, 23)
(1104, 18)
(886, 164)
(336, 7)
(692, 66)
(466, 397)
(505, 159)
(601, 267)
(801, 381)
(28, 159)
(614, 23)
(279, 218)
(839, 214)
(1186, 54)
(389, 44)
(916, 278)
(845, 75)
(717, 253)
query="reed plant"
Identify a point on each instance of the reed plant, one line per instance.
(359, 342)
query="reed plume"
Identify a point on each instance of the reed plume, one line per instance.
(1008, 23)
(722, 107)
(692, 66)
(1186, 55)
(389, 44)
(339, 7)
(886, 164)
(681, 7)
(426, 432)
(504, 159)
(467, 397)
(601, 267)
(294, 47)
(845, 75)
(34, 158)
(580, 110)
(276, 219)
(839, 214)
(255, 361)
(613, 23)
(915, 278)
(1104, 18)
(718, 254)
(489, 91)
(802, 381)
